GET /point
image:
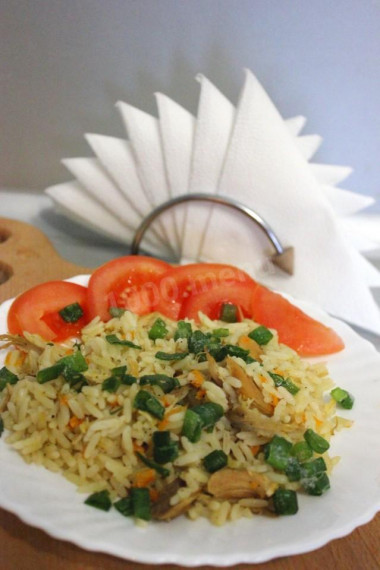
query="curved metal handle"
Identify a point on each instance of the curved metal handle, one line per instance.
(283, 257)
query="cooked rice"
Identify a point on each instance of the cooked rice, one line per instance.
(92, 436)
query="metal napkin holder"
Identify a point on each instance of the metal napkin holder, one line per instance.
(283, 257)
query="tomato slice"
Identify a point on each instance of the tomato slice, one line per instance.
(296, 329)
(127, 282)
(182, 283)
(210, 301)
(37, 310)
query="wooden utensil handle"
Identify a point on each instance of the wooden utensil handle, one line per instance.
(27, 258)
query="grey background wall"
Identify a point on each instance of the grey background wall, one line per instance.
(64, 63)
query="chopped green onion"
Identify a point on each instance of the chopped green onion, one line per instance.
(71, 313)
(261, 335)
(170, 356)
(215, 460)
(111, 384)
(113, 339)
(220, 333)
(128, 379)
(70, 367)
(119, 371)
(166, 383)
(153, 465)
(343, 398)
(316, 442)
(100, 500)
(1, 426)
(285, 382)
(277, 452)
(146, 402)
(285, 502)
(197, 342)
(302, 451)
(141, 503)
(158, 330)
(229, 313)
(183, 330)
(317, 484)
(210, 413)
(192, 426)
(293, 469)
(312, 468)
(164, 449)
(124, 506)
(116, 312)
(7, 377)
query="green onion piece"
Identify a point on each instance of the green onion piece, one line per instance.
(111, 384)
(220, 333)
(164, 449)
(7, 377)
(153, 465)
(209, 413)
(128, 379)
(233, 350)
(316, 442)
(113, 339)
(192, 426)
(183, 330)
(229, 313)
(302, 451)
(166, 383)
(158, 330)
(146, 402)
(100, 500)
(119, 371)
(312, 468)
(261, 335)
(116, 312)
(71, 313)
(215, 460)
(316, 485)
(124, 506)
(343, 398)
(277, 452)
(165, 453)
(285, 382)
(285, 502)
(170, 356)
(197, 342)
(50, 373)
(77, 382)
(1, 426)
(293, 469)
(70, 367)
(141, 503)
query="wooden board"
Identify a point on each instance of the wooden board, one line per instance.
(27, 258)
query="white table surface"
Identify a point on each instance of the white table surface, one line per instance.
(80, 245)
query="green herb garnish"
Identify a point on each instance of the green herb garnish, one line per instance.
(183, 330)
(229, 313)
(146, 402)
(166, 383)
(71, 313)
(100, 500)
(113, 339)
(261, 335)
(316, 442)
(285, 502)
(171, 355)
(343, 398)
(215, 460)
(7, 377)
(284, 382)
(158, 330)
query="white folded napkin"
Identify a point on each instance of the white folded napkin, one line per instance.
(247, 152)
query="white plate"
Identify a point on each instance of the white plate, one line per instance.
(46, 500)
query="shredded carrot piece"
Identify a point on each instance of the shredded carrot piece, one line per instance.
(263, 379)
(74, 422)
(165, 421)
(138, 448)
(69, 351)
(275, 400)
(197, 378)
(318, 422)
(153, 494)
(253, 484)
(255, 449)
(63, 400)
(166, 401)
(144, 477)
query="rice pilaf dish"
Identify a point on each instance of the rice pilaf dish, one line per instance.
(163, 418)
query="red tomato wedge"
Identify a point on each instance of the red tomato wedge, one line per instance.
(180, 283)
(210, 302)
(296, 329)
(37, 310)
(127, 282)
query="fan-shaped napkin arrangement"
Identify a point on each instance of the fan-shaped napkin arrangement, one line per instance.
(247, 153)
